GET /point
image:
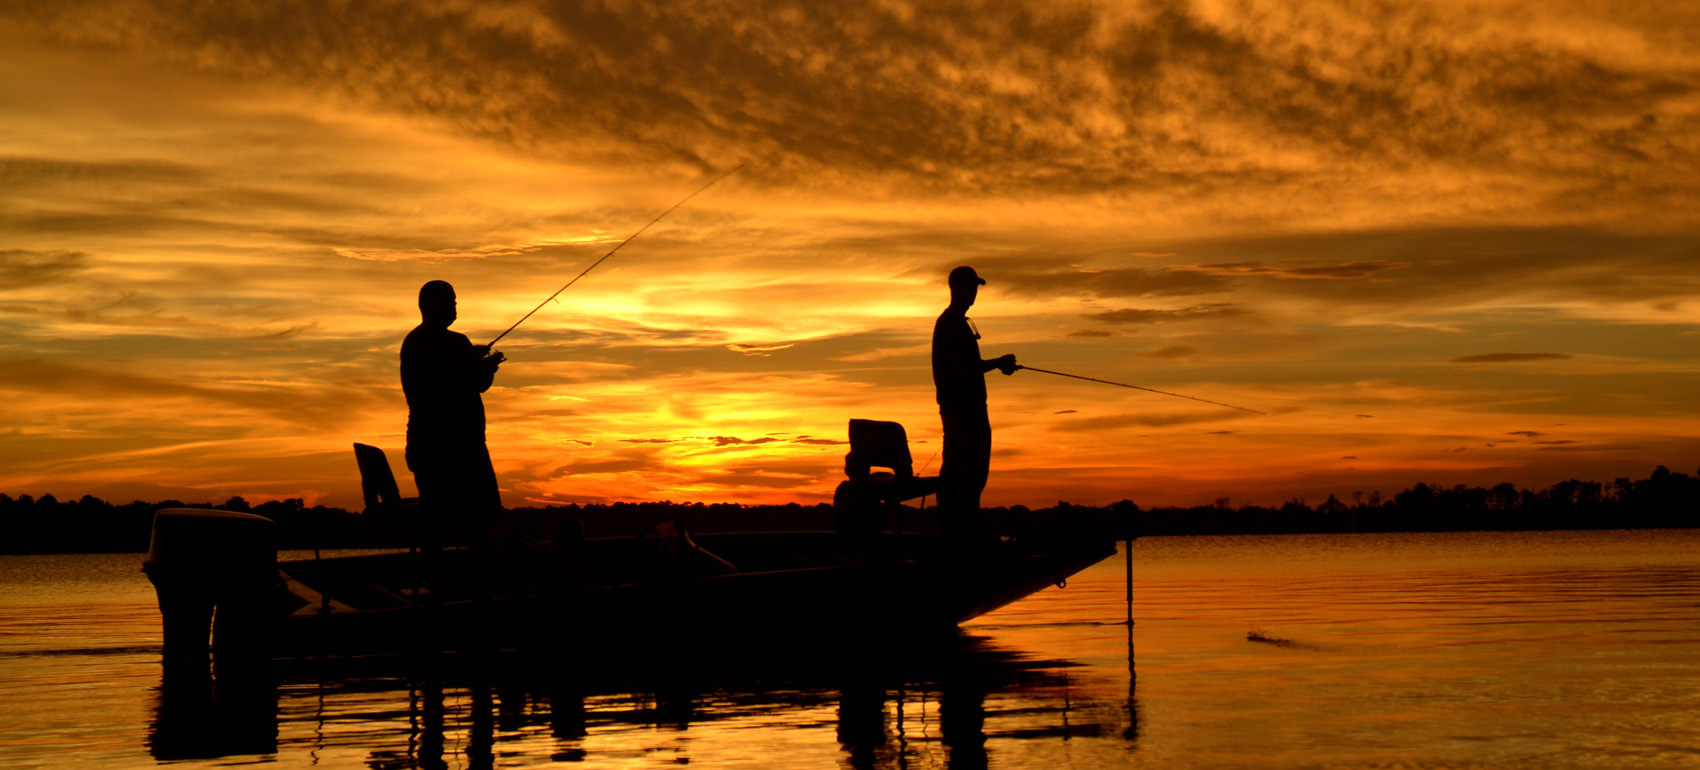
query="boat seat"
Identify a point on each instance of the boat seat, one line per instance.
(378, 485)
(881, 444)
(878, 443)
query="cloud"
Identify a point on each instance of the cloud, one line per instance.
(625, 461)
(552, 86)
(1154, 316)
(721, 441)
(1527, 433)
(1450, 272)
(759, 350)
(1020, 278)
(400, 255)
(1503, 358)
(26, 172)
(325, 404)
(1150, 420)
(1336, 272)
(20, 268)
(1172, 353)
(726, 441)
(283, 334)
(1195, 97)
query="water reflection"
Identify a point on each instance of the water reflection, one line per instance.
(869, 706)
(199, 717)
(1131, 733)
(1482, 650)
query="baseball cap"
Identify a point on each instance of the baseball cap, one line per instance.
(965, 275)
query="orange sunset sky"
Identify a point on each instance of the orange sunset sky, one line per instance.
(1434, 240)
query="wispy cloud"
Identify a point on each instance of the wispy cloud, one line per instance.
(1508, 358)
(1173, 353)
(1208, 311)
(1198, 97)
(758, 350)
(1301, 271)
(20, 268)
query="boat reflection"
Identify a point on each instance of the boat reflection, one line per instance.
(199, 717)
(949, 701)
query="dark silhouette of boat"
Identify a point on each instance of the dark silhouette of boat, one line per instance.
(696, 589)
(785, 585)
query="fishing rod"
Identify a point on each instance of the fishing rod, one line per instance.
(1137, 387)
(610, 253)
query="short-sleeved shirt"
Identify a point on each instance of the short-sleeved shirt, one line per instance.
(957, 376)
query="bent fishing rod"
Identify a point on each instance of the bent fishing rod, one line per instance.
(610, 253)
(1137, 387)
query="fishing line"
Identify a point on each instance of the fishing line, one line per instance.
(610, 253)
(924, 470)
(928, 463)
(1137, 387)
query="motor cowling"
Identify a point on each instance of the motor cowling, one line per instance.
(213, 571)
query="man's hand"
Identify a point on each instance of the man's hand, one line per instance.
(1006, 364)
(492, 358)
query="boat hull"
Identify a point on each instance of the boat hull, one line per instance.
(914, 586)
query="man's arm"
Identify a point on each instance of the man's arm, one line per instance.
(481, 367)
(962, 357)
(1004, 363)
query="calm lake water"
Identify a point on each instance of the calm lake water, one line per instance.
(1496, 650)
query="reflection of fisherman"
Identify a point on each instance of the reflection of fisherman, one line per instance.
(442, 374)
(960, 377)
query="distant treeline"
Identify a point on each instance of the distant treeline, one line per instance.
(92, 525)
(1663, 500)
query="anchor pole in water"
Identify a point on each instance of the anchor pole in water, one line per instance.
(1136, 387)
(1127, 545)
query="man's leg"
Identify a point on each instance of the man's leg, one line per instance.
(967, 454)
(950, 469)
(977, 462)
(432, 513)
(481, 499)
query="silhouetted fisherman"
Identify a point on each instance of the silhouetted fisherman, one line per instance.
(959, 374)
(442, 375)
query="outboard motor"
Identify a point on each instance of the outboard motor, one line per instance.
(217, 566)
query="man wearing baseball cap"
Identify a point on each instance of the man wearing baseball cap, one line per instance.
(959, 375)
